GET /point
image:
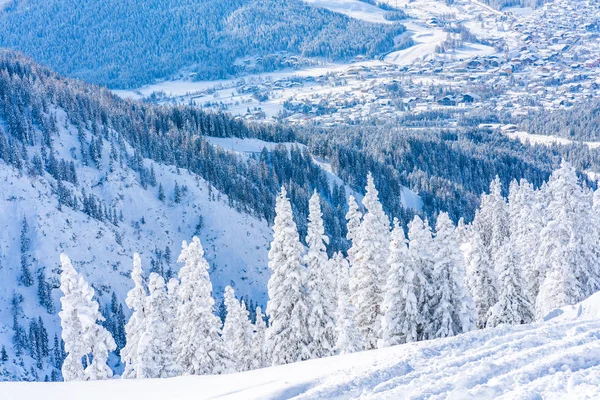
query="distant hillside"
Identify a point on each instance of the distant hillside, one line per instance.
(128, 43)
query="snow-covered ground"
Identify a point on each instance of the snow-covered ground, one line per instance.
(353, 8)
(556, 359)
(547, 140)
(235, 243)
(426, 40)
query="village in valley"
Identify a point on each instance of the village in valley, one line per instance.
(465, 57)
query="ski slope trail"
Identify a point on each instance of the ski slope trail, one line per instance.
(425, 39)
(558, 359)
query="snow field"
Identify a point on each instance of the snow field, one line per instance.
(558, 359)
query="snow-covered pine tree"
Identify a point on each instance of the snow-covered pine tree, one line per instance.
(259, 356)
(491, 220)
(513, 305)
(451, 301)
(500, 221)
(353, 216)
(82, 334)
(525, 226)
(320, 284)
(369, 266)
(237, 332)
(348, 339)
(72, 367)
(401, 315)
(287, 336)
(481, 277)
(566, 258)
(420, 255)
(135, 327)
(199, 345)
(157, 355)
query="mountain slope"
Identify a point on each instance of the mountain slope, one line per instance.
(134, 42)
(550, 360)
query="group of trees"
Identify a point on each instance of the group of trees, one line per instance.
(519, 259)
(535, 252)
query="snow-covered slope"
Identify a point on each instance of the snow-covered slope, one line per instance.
(235, 243)
(587, 309)
(549, 360)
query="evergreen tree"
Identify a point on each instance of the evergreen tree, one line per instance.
(401, 314)
(420, 254)
(135, 327)
(82, 334)
(157, 357)
(481, 277)
(237, 332)
(3, 355)
(45, 292)
(161, 192)
(259, 356)
(348, 339)
(526, 223)
(26, 278)
(177, 193)
(353, 217)
(369, 266)
(320, 285)
(199, 344)
(566, 257)
(287, 336)
(451, 302)
(513, 306)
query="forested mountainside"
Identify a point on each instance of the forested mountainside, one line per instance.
(134, 42)
(581, 122)
(86, 172)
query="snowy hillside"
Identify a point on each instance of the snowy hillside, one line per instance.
(550, 360)
(235, 243)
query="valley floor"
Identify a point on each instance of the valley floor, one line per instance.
(558, 359)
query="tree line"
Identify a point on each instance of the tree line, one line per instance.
(520, 258)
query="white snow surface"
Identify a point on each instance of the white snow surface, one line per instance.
(547, 140)
(353, 8)
(557, 359)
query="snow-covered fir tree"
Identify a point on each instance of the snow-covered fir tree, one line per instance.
(320, 284)
(420, 252)
(135, 327)
(199, 345)
(499, 220)
(481, 277)
(353, 216)
(401, 314)
(288, 338)
(237, 332)
(566, 258)
(513, 306)
(81, 332)
(452, 306)
(369, 266)
(259, 356)
(157, 355)
(348, 338)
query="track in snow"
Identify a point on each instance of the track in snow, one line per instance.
(553, 360)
